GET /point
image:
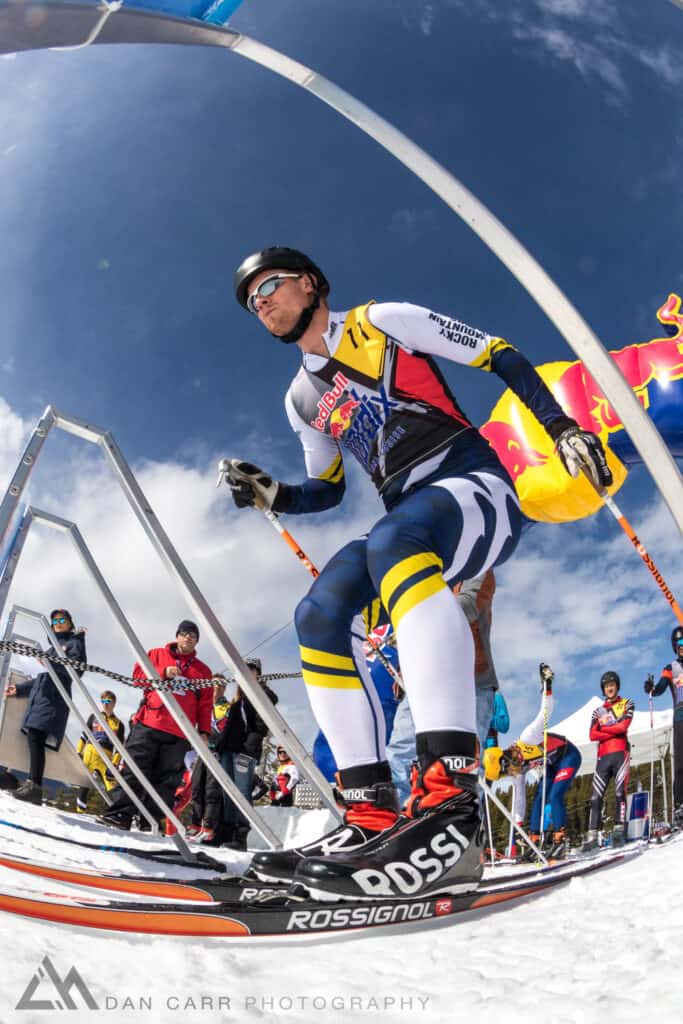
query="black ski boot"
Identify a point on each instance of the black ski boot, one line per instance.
(371, 807)
(436, 849)
(30, 792)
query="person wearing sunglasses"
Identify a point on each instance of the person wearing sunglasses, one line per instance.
(369, 387)
(44, 722)
(284, 781)
(156, 742)
(90, 754)
(672, 679)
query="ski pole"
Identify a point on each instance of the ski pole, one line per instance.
(288, 539)
(545, 755)
(652, 762)
(635, 540)
(512, 845)
(489, 828)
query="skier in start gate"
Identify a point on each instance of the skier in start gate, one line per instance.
(369, 386)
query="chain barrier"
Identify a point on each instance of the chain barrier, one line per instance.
(177, 685)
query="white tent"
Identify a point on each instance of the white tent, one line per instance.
(643, 739)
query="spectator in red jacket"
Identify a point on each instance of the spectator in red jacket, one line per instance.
(156, 743)
(609, 727)
(284, 781)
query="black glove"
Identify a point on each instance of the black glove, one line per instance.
(250, 486)
(581, 451)
(649, 684)
(547, 675)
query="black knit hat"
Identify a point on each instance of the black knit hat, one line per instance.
(254, 663)
(188, 627)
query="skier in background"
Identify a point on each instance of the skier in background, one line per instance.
(562, 762)
(284, 781)
(610, 723)
(672, 679)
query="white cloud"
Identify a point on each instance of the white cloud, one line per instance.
(427, 18)
(588, 58)
(408, 223)
(588, 34)
(599, 11)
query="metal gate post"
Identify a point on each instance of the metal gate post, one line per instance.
(196, 600)
(200, 747)
(20, 479)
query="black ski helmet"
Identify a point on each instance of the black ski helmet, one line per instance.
(609, 677)
(676, 635)
(279, 257)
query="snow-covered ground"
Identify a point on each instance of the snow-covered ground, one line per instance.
(604, 948)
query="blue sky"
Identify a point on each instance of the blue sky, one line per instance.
(134, 179)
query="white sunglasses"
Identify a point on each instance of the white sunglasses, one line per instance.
(266, 288)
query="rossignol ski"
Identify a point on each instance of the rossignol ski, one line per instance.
(279, 915)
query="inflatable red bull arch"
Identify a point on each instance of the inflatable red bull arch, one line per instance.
(653, 369)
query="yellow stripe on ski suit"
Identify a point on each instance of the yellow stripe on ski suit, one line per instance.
(334, 472)
(415, 595)
(331, 682)
(403, 570)
(326, 659)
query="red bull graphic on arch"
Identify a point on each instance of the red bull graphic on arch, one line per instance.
(654, 370)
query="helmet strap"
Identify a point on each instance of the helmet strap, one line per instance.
(302, 324)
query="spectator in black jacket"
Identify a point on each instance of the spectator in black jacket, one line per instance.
(46, 715)
(239, 747)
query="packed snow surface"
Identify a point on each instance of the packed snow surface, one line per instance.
(603, 949)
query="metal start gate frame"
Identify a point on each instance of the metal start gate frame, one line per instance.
(169, 557)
